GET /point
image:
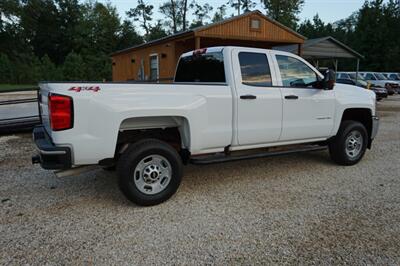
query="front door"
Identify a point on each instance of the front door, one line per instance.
(259, 103)
(308, 111)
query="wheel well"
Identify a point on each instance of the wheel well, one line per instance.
(169, 135)
(172, 136)
(362, 115)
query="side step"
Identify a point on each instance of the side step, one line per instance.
(221, 158)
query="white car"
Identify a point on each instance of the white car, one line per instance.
(226, 103)
(378, 79)
(393, 76)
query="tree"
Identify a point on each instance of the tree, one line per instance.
(220, 14)
(156, 32)
(48, 70)
(74, 68)
(127, 36)
(245, 5)
(235, 4)
(40, 25)
(284, 11)
(142, 13)
(172, 10)
(6, 69)
(184, 13)
(201, 14)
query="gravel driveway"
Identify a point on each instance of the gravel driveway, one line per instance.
(297, 209)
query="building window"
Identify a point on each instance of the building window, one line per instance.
(154, 67)
(255, 24)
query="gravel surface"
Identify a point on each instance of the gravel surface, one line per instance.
(297, 209)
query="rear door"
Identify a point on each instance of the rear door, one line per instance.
(308, 111)
(259, 103)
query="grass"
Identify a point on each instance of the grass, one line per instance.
(17, 87)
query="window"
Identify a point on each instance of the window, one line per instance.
(394, 77)
(369, 76)
(208, 67)
(255, 24)
(345, 76)
(295, 73)
(380, 76)
(345, 81)
(255, 69)
(153, 67)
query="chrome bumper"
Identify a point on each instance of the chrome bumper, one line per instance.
(375, 126)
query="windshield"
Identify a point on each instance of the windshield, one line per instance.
(353, 76)
(207, 67)
(380, 76)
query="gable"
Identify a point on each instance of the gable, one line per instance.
(240, 28)
(327, 48)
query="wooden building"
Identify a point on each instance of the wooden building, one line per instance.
(156, 60)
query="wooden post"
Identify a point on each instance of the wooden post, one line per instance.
(358, 69)
(197, 43)
(300, 49)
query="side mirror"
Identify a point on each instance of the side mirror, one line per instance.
(329, 80)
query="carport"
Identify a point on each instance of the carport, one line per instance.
(326, 48)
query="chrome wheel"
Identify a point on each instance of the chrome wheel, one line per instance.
(354, 144)
(152, 174)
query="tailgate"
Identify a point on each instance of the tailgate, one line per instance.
(43, 106)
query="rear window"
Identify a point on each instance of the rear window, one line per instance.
(207, 67)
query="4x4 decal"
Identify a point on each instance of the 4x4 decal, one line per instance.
(79, 89)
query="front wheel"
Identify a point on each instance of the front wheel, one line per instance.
(350, 144)
(150, 172)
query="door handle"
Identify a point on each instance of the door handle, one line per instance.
(248, 97)
(291, 97)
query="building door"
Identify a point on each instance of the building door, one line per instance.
(154, 71)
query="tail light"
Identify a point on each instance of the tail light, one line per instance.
(60, 112)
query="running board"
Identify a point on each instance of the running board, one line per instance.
(226, 158)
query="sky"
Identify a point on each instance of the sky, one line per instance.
(328, 10)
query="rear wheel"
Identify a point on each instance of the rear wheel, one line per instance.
(350, 144)
(150, 172)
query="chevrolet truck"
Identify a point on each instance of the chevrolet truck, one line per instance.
(225, 104)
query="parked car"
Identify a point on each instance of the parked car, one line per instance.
(378, 79)
(380, 92)
(395, 78)
(226, 104)
(392, 76)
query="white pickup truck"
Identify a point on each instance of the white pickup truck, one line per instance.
(225, 104)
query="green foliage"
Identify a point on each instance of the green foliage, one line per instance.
(220, 14)
(142, 13)
(73, 68)
(173, 12)
(284, 11)
(201, 13)
(6, 69)
(156, 32)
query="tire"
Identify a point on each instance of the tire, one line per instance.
(150, 172)
(350, 144)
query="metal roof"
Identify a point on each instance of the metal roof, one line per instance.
(189, 32)
(323, 48)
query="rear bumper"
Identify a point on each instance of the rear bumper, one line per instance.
(50, 156)
(375, 126)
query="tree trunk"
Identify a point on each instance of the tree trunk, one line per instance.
(184, 14)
